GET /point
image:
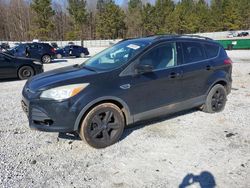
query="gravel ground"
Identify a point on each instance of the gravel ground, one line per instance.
(207, 148)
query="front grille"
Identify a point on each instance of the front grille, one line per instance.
(25, 108)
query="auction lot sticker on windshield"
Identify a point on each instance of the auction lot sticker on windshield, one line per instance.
(133, 46)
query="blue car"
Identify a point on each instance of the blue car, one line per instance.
(40, 51)
(72, 50)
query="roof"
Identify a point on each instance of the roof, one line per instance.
(154, 38)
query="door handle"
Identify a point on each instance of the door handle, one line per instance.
(174, 74)
(208, 67)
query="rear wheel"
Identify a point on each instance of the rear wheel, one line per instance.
(46, 59)
(25, 72)
(103, 125)
(82, 55)
(216, 99)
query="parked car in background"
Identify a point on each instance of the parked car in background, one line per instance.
(4, 47)
(16, 67)
(134, 80)
(54, 45)
(72, 50)
(43, 52)
(232, 34)
(243, 34)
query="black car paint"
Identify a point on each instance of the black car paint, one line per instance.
(72, 50)
(9, 65)
(141, 96)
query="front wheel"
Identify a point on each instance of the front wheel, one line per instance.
(25, 72)
(58, 56)
(102, 126)
(216, 99)
(46, 59)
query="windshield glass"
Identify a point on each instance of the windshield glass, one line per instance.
(116, 55)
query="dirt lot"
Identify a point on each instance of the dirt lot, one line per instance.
(191, 147)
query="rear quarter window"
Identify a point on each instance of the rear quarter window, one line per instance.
(211, 50)
(192, 52)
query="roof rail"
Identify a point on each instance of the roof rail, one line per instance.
(175, 36)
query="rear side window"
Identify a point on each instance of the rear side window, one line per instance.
(192, 52)
(211, 50)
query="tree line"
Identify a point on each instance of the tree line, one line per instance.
(75, 20)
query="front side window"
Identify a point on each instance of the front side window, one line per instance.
(192, 52)
(161, 57)
(116, 55)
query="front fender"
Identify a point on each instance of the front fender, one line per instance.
(129, 118)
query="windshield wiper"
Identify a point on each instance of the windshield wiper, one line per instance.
(88, 68)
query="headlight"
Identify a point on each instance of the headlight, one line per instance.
(37, 62)
(63, 92)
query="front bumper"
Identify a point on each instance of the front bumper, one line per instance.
(39, 69)
(49, 116)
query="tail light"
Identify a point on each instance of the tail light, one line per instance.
(228, 61)
(53, 50)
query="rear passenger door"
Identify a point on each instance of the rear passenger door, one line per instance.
(75, 51)
(196, 69)
(35, 51)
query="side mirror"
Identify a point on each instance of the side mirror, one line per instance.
(144, 68)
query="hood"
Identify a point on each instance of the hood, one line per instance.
(58, 77)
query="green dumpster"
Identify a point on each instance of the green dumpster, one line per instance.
(235, 44)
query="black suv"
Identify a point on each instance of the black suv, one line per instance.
(134, 80)
(41, 51)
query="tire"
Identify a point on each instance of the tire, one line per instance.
(82, 55)
(102, 126)
(216, 99)
(46, 59)
(58, 56)
(25, 72)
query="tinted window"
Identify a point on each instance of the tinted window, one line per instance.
(192, 52)
(33, 46)
(161, 57)
(211, 50)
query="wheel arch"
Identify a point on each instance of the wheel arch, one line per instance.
(114, 100)
(44, 55)
(220, 77)
(222, 82)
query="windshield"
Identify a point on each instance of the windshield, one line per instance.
(116, 55)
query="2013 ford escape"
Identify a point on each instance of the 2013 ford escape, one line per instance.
(134, 80)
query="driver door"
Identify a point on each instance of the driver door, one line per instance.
(7, 67)
(155, 92)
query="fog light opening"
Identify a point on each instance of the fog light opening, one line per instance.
(46, 122)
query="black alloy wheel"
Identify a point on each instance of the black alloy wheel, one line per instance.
(216, 99)
(103, 125)
(25, 72)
